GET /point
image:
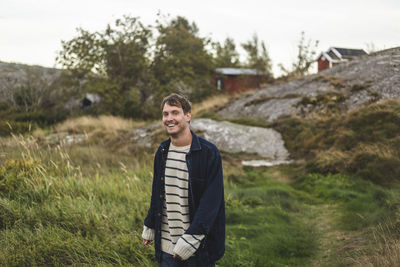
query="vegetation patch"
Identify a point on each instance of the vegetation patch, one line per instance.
(258, 100)
(357, 87)
(363, 203)
(364, 142)
(84, 203)
(335, 81)
(265, 223)
(328, 99)
(51, 213)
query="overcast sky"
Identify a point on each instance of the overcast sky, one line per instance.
(31, 30)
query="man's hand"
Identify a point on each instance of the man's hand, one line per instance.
(176, 256)
(147, 243)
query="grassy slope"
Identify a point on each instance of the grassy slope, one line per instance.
(84, 203)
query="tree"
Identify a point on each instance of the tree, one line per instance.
(226, 55)
(114, 64)
(257, 55)
(181, 62)
(306, 52)
(131, 70)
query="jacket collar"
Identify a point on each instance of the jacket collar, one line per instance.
(193, 147)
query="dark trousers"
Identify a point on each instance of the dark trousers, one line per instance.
(168, 261)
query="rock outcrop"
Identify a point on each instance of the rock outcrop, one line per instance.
(233, 137)
(340, 89)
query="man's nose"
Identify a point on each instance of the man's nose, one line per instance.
(169, 117)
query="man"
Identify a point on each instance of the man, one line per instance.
(186, 218)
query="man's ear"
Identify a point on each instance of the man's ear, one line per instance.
(188, 116)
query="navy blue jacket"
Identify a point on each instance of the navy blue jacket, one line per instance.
(206, 198)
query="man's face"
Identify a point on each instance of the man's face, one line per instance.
(174, 120)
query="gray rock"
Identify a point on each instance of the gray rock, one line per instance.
(264, 163)
(232, 137)
(144, 136)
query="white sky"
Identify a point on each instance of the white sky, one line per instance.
(31, 30)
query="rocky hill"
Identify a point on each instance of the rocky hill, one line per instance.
(340, 89)
(15, 73)
(20, 78)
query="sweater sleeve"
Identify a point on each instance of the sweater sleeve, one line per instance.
(187, 245)
(148, 233)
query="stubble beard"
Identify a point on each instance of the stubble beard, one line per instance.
(176, 134)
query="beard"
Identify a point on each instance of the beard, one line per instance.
(176, 133)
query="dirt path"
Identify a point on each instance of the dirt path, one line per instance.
(336, 247)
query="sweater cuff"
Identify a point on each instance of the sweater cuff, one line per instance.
(148, 233)
(187, 245)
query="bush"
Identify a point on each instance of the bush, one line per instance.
(8, 127)
(20, 122)
(365, 142)
(384, 171)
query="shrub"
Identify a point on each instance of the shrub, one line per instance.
(364, 142)
(9, 127)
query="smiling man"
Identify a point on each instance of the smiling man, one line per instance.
(186, 218)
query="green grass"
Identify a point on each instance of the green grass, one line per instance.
(265, 224)
(52, 214)
(84, 204)
(362, 203)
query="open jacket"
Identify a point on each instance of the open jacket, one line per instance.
(206, 198)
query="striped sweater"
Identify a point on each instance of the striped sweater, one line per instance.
(175, 219)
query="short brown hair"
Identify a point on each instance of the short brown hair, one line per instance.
(177, 101)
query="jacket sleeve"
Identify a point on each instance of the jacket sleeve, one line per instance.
(212, 199)
(149, 220)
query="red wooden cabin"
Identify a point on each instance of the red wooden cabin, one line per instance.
(234, 80)
(336, 55)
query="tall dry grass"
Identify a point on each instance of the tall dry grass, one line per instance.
(209, 104)
(384, 248)
(53, 211)
(216, 102)
(106, 123)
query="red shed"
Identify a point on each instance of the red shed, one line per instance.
(336, 55)
(238, 79)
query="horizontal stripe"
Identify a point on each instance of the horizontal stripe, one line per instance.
(176, 177)
(168, 240)
(176, 203)
(176, 151)
(179, 160)
(177, 186)
(176, 164)
(177, 211)
(173, 168)
(177, 227)
(175, 216)
(177, 220)
(178, 235)
(176, 195)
